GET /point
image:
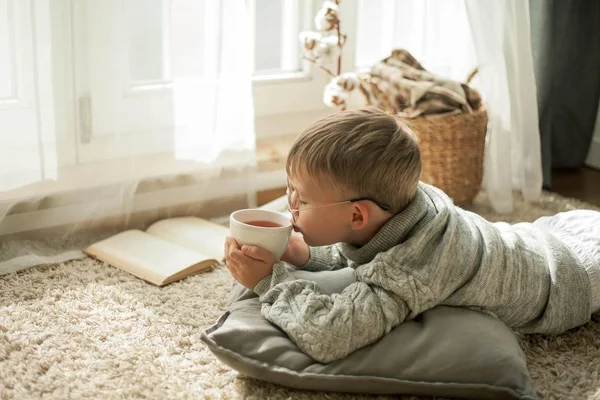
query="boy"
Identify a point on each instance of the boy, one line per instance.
(355, 196)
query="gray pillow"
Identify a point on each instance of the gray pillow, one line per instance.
(446, 351)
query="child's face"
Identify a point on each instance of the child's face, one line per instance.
(319, 225)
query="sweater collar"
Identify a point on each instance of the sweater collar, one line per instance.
(393, 232)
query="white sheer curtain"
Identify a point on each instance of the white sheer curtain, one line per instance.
(501, 34)
(132, 110)
(28, 142)
(451, 38)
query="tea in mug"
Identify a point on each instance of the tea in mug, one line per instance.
(264, 224)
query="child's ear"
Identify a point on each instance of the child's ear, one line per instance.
(360, 216)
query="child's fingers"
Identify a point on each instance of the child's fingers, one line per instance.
(258, 253)
(233, 268)
(230, 244)
(230, 262)
(238, 257)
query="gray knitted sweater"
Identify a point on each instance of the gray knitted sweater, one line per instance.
(431, 253)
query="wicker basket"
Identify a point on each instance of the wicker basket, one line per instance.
(452, 149)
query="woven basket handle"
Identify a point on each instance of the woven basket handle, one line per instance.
(471, 75)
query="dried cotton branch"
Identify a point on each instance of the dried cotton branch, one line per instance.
(325, 46)
(327, 18)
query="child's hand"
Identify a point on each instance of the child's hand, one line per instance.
(297, 252)
(248, 265)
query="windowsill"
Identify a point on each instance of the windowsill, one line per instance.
(270, 154)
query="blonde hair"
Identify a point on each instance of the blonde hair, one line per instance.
(364, 152)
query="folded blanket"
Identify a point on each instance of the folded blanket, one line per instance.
(400, 82)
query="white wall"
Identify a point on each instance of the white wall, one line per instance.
(593, 159)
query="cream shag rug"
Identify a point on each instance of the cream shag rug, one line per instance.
(84, 330)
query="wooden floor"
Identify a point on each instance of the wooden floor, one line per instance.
(582, 184)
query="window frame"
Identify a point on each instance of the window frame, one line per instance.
(300, 95)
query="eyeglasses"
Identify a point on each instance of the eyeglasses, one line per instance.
(294, 202)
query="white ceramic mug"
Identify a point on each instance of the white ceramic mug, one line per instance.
(273, 239)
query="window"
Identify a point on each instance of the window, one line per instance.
(283, 83)
(277, 24)
(115, 59)
(276, 28)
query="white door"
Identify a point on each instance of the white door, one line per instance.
(27, 142)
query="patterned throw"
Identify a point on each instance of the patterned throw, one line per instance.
(399, 82)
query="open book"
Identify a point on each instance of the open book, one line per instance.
(169, 250)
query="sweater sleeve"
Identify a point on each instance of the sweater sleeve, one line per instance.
(325, 258)
(325, 327)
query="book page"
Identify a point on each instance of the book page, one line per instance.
(144, 255)
(194, 233)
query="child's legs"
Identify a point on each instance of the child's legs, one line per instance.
(580, 229)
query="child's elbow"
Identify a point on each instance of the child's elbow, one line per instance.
(326, 357)
(323, 350)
